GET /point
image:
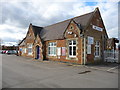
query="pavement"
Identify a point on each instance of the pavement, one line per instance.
(22, 72)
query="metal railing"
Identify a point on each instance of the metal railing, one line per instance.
(111, 56)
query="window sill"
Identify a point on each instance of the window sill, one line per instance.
(51, 55)
(97, 56)
(72, 56)
(29, 54)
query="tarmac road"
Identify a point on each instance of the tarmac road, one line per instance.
(21, 72)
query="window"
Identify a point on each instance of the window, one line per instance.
(23, 50)
(97, 49)
(71, 27)
(72, 48)
(52, 49)
(30, 49)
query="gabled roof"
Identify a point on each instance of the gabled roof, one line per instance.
(36, 29)
(57, 30)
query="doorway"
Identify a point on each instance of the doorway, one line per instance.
(37, 52)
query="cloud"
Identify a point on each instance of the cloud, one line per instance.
(16, 16)
(109, 13)
(119, 21)
(11, 33)
(9, 43)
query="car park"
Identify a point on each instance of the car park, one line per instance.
(11, 52)
(6, 51)
(0, 51)
(3, 51)
(14, 52)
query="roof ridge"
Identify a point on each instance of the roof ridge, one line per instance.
(69, 19)
(37, 26)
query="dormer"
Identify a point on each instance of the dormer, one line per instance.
(73, 30)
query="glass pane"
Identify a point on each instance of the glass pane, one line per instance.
(30, 50)
(98, 50)
(74, 42)
(48, 50)
(54, 44)
(70, 50)
(97, 43)
(95, 53)
(74, 50)
(54, 50)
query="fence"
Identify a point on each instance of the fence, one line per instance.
(111, 56)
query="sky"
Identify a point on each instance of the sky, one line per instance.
(15, 16)
(119, 21)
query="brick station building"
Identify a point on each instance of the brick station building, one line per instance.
(81, 40)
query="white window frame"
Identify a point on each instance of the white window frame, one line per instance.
(24, 50)
(30, 47)
(52, 49)
(97, 50)
(72, 45)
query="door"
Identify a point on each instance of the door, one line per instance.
(37, 52)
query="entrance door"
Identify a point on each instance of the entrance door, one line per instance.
(37, 52)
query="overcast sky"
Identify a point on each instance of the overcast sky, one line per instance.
(16, 16)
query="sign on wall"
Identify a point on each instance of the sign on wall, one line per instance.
(20, 49)
(63, 51)
(59, 51)
(90, 40)
(88, 49)
(97, 28)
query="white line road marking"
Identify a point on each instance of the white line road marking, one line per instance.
(102, 69)
(112, 68)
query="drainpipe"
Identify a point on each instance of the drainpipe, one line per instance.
(84, 51)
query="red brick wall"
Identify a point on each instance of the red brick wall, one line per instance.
(75, 30)
(62, 43)
(97, 21)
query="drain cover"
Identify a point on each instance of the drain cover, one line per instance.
(69, 65)
(84, 72)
